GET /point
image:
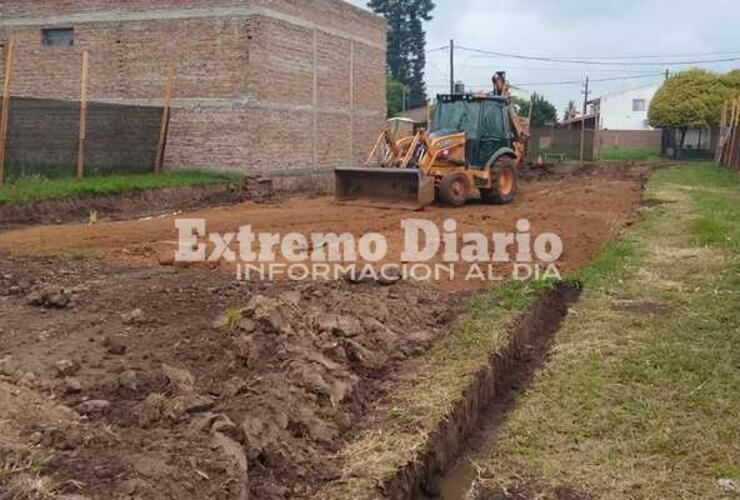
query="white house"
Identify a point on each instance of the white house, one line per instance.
(625, 109)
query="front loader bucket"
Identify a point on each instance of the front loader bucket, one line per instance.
(384, 187)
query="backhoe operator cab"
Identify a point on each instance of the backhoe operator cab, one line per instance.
(471, 145)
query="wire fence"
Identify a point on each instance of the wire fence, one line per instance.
(43, 138)
(60, 138)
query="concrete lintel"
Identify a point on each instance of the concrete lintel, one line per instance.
(120, 16)
(246, 103)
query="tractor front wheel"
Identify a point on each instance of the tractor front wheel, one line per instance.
(454, 189)
(504, 180)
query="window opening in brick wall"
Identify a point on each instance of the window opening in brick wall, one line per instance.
(57, 37)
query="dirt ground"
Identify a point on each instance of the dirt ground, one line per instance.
(124, 378)
(138, 387)
(585, 209)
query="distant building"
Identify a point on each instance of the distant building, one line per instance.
(625, 109)
(621, 121)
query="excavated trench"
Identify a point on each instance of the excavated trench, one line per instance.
(445, 471)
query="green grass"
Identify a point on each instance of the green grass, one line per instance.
(40, 188)
(631, 154)
(641, 399)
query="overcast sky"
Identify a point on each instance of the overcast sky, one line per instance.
(676, 30)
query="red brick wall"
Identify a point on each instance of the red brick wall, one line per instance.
(300, 84)
(336, 13)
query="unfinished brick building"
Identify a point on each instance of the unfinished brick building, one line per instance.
(263, 86)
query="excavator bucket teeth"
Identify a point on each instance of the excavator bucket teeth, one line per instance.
(384, 187)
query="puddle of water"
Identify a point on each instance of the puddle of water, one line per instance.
(456, 484)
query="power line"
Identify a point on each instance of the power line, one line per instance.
(438, 49)
(567, 82)
(613, 79)
(592, 62)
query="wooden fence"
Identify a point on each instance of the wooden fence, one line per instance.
(728, 148)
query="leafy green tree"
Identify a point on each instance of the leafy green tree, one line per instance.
(689, 99)
(521, 106)
(395, 94)
(731, 80)
(570, 110)
(406, 56)
(543, 111)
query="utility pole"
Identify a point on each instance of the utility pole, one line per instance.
(586, 93)
(452, 66)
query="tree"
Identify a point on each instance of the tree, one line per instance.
(395, 94)
(543, 111)
(521, 106)
(731, 80)
(689, 99)
(406, 56)
(570, 111)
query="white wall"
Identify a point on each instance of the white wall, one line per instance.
(617, 109)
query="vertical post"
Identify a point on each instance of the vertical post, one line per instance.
(583, 121)
(315, 101)
(351, 102)
(722, 130)
(667, 73)
(731, 157)
(83, 114)
(452, 67)
(403, 104)
(166, 102)
(6, 102)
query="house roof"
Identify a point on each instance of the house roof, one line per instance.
(578, 119)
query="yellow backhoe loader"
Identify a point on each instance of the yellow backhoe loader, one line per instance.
(474, 142)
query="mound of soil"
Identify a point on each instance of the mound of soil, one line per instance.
(186, 384)
(133, 204)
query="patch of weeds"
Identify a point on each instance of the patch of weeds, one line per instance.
(631, 154)
(36, 187)
(24, 475)
(611, 262)
(703, 174)
(82, 255)
(230, 319)
(718, 223)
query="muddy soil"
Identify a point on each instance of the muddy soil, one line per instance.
(585, 207)
(139, 386)
(127, 377)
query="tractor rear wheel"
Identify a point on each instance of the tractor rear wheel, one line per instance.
(454, 189)
(504, 180)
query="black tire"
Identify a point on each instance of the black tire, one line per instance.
(505, 183)
(454, 189)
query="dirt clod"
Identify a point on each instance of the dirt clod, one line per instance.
(94, 407)
(114, 346)
(50, 297)
(8, 366)
(133, 317)
(66, 367)
(72, 385)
